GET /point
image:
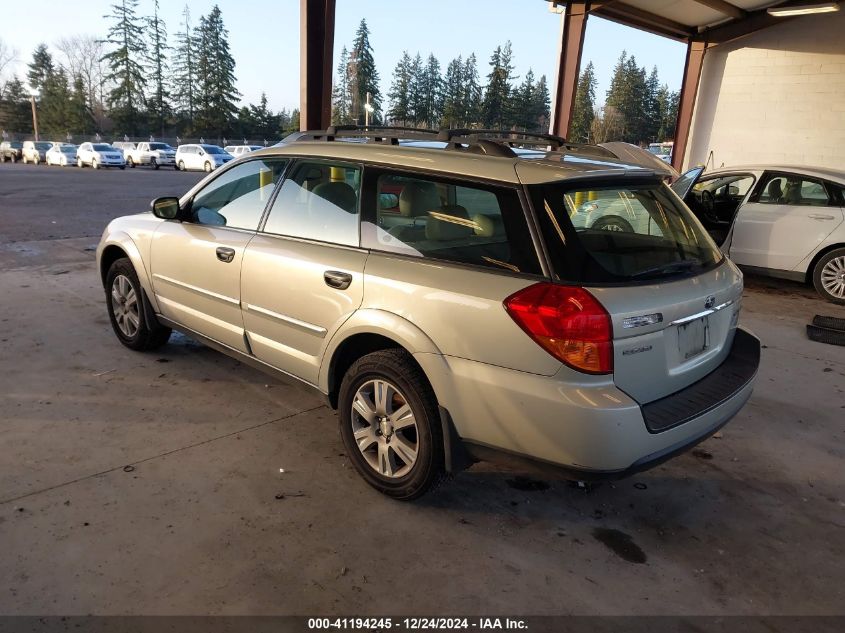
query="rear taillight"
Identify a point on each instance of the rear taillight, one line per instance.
(568, 322)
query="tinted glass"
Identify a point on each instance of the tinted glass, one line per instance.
(102, 147)
(213, 149)
(43, 146)
(469, 224)
(793, 190)
(160, 146)
(319, 201)
(238, 196)
(617, 234)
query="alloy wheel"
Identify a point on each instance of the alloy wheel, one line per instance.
(833, 277)
(124, 301)
(384, 428)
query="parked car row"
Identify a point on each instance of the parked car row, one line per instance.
(189, 156)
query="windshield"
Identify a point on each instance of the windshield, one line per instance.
(43, 145)
(64, 147)
(612, 234)
(213, 149)
(102, 147)
(160, 146)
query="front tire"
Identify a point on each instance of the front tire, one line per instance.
(390, 424)
(130, 162)
(829, 276)
(207, 167)
(125, 302)
(153, 163)
(95, 164)
(181, 165)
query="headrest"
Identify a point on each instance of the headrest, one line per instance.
(774, 190)
(487, 225)
(337, 193)
(450, 222)
(793, 193)
(418, 198)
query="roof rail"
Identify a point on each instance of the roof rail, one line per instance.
(480, 141)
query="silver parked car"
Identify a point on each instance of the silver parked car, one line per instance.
(781, 221)
(443, 301)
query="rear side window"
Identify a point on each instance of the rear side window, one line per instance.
(792, 190)
(616, 234)
(319, 201)
(448, 220)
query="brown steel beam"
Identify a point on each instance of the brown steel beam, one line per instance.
(569, 64)
(686, 104)
(724, 7)
(644, 20)
(755, 21)
(316, 47)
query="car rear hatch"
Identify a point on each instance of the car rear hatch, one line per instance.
(672, 298)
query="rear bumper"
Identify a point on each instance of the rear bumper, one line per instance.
(584, 424)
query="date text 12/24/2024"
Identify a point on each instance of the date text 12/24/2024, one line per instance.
(416, 624)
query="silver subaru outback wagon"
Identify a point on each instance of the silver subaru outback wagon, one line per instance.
(444, 294)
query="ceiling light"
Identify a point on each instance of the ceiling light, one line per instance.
(803, 8)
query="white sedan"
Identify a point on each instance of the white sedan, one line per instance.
(62, 154)
(786, 222)
(99, 155)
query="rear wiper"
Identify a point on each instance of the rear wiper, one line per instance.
(667, 269)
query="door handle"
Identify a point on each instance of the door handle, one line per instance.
(225, 254)
(337, 279)
(820, 216)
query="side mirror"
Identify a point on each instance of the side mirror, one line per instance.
(166, 208)
(202, 153)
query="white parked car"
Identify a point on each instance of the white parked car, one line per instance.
(62, 154)
(153, 154)
(35, 151)
(240, 150)
(201, 156)
(99, 155)
(783, 222)
(125, 147)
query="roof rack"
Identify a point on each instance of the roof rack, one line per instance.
(479, 141)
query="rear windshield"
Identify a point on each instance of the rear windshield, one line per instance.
(213, 149)
(618, 234)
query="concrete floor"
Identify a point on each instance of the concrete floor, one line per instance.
(151, 484)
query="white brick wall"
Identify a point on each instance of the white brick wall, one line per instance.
(776, 96)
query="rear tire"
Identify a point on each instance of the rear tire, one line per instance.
(399, 454)
(127, 310)
(829, 276)
(181, 165)
(613, 223)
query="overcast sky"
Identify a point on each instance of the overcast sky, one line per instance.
(264, 36)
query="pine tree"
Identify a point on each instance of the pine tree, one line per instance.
(158, 70)
(472, 93)
(431, 93)
(651, 108)
(454, 94)
(40, 68)
(399, 95)
(80, 118)
(524, 109)
(341, 98)
(53, 107)
(217, 109)
(263, 120)
(542, 105)
(416, 87)
(125, 71)
(14, 107)
(585, 104)
(364, 76)
(495, 110)
(183, 75)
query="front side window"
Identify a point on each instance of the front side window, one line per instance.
(319, 201)
(793, 190)
(452, 221)
(613, 234)
(238, 196)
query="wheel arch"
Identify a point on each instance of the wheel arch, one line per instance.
(808, 274)
(118, 246)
